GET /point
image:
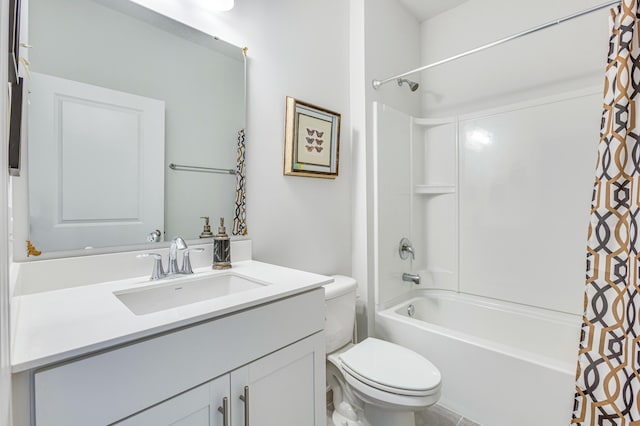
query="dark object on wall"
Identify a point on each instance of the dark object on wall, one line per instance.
(14, 40)
(16, 89)
(15, 127)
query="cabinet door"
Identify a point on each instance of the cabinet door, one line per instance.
(285, 388)
(197, 407)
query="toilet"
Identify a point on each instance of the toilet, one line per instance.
(374, 382)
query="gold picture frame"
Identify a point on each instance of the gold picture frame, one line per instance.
(312, 140)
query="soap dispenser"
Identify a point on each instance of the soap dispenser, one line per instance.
(221, 248)
(206, 232)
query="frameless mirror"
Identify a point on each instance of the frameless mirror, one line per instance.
(133, 125)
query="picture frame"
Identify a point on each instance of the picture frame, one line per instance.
(312, 140)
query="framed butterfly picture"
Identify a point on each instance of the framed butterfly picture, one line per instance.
(312, 140)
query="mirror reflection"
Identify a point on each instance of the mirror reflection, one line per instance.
(119, 93)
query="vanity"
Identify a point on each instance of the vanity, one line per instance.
(249, 355)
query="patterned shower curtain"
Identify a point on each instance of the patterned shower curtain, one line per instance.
(608, 372)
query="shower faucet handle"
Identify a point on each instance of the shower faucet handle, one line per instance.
(405, 249)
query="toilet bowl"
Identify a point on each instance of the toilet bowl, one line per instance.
(374, 382)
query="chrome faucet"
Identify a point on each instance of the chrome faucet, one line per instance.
(176, 244)
(414, 278)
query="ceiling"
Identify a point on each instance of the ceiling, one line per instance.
(425, 9)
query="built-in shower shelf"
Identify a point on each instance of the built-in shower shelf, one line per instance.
(434, 189)
(430, 122)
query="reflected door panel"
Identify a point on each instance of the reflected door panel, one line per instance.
(95, 164)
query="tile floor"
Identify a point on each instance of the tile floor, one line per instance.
(440, 416)
(434, 416)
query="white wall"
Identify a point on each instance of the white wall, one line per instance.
(392, 43)
(299, 49)
(5, 367)
(565, 57)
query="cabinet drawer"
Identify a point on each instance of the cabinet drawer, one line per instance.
(103, 388)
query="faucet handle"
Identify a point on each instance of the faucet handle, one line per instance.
(186, 260)
(177, 243)
(405, 249)
(158, 271)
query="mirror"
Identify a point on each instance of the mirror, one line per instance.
(118, 94)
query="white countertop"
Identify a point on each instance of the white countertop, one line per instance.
(56, 325)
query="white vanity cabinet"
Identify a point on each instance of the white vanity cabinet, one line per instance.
(282, 388)
(272, 355)
(197, 407)
(275, 390)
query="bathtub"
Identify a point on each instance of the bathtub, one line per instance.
(502, 364)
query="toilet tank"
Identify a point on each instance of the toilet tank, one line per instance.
(340, 300)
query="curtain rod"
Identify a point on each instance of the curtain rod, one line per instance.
(378, 83)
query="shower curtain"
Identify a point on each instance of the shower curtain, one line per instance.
(608, 371)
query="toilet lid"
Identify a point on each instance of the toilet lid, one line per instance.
(390, 367)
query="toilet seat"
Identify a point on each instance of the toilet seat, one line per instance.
(391, 368)
(389, 400)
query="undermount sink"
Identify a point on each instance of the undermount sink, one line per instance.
(179, 292)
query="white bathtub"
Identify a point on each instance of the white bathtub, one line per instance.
(502, 364)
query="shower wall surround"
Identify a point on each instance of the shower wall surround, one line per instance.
(524, 200)
(392, 200)
(496, 202)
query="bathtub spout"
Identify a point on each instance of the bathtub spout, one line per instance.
(414, 278)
